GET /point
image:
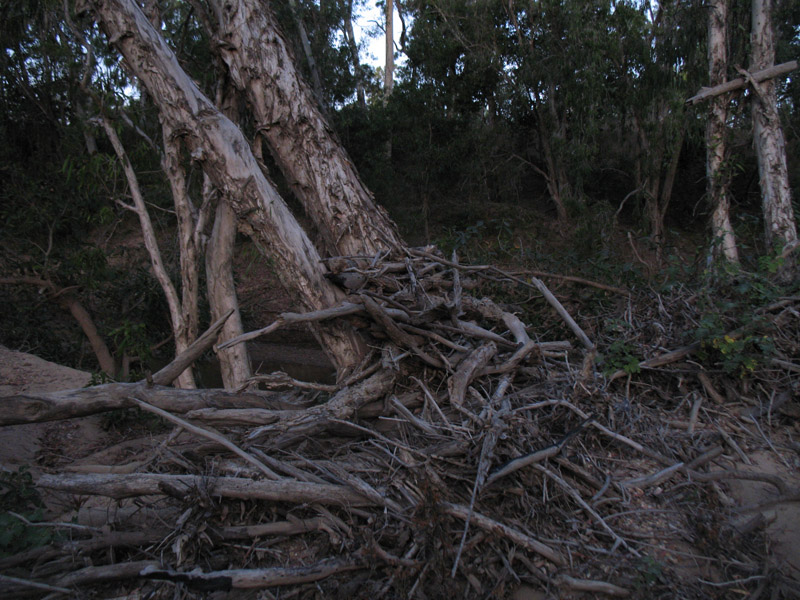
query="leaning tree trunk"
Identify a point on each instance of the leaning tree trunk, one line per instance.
(718, 177)
(313, 161)
(779, 221)
(224, 154)
(234, 361)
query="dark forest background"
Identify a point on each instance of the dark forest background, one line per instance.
(537, 134)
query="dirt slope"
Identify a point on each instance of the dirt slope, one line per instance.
(20, 372)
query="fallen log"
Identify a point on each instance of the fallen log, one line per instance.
(34, 407)
(151, 484)
(253, 578)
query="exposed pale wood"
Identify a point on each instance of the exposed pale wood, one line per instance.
(736, 84)
(234, 362)
(467, 370)
(32, 407)
(139, 207)
(255, 578)
(235, 416)
(220, 148)
(149, 484)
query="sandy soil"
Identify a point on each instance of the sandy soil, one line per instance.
(21, 444)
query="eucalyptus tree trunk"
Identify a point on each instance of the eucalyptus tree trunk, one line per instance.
(779, 220)
(388, 72)
(316, 80)
(350, 38)
(234, 361)
(219, 147)
(718, 176)
(313, 161)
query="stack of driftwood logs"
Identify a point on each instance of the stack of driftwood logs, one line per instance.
(465, 457)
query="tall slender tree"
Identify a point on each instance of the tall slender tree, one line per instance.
(717, 169)
(779, 219)
(388, 71)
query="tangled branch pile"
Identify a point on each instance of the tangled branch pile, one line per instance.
(464, 457)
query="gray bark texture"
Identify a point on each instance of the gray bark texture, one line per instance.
(779, 221)
(219, 147)
(234, 362)
(388, 73)
(306, 150)
(718, 177)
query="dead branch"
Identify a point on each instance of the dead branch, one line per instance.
(477, 360)
(497, 528)
(52, 406)
(253, 578)
(181, 362)
(148, 484)
(313, 420)
(736, 84)
(219, 439)
(588, 585)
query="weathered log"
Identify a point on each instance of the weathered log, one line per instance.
(149, 484)
(31, 407)
(759, 76)
(315, 419)
(254, 578)
(477, 360)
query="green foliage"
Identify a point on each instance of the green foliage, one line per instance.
(18, 495)
(99, 378)
(742, 355)
(619, 355)
(131, 338)
(730, 301)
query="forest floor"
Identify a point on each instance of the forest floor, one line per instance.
(640, 479)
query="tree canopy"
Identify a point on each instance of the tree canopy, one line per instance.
(572, 110)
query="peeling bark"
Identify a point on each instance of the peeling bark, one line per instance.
(313, 161)
(225, 156)
(779, 220)
(234, 361)
(718, 177)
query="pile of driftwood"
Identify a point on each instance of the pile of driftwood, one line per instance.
(464, 457)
